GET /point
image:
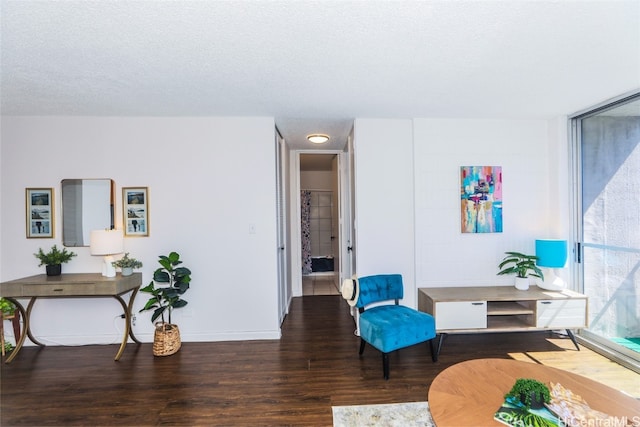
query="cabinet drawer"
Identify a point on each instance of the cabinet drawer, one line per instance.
(53, 290)
(561, 313)
(461, 315)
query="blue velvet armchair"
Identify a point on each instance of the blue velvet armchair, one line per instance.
(389, 327)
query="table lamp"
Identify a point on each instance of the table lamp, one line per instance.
(107, 243)
(552, 254)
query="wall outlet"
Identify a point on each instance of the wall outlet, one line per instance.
(133, 318)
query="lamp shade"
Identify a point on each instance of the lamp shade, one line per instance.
(551, 253)
(106, 242)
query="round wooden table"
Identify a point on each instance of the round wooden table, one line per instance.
(470, 393)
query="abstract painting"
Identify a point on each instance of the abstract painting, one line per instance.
(481, 199)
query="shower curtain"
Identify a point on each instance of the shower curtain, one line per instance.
(305, 214)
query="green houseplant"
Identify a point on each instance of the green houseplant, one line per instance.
(54, 259)
(531, 393)
(127, 264)
(7, 311)
(522, 266)
(163, 299)
(7, 308)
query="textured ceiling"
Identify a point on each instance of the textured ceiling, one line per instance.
(317, 65)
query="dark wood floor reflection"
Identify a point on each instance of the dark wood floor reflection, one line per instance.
(293, 381)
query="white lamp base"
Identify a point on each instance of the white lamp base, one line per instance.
(108, 270)
(552, 282)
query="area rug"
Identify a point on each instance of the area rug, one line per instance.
(393, 414)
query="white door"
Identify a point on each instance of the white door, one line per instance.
(283, 294)
(347, 213)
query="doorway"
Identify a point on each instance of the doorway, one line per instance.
(319, 223)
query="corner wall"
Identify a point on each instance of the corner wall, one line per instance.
(408, 196)
(208, 180)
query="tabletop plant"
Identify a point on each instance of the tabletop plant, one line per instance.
(127, 264)
(54, 259)
(530, 392)
(54, 256)
(166, 298)
(520, 264)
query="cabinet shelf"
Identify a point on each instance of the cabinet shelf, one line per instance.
(510, 323)
(508, 308)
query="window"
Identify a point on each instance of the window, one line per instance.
(606, 142)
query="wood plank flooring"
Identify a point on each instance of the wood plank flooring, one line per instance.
(293, 381)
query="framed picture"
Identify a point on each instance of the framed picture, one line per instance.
(135, 203)
(481, 198)
(39, 212)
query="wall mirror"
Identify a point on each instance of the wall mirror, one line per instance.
(87, 204)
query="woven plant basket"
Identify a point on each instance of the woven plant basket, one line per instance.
(166, 339)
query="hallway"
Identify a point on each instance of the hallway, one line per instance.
(318, 285)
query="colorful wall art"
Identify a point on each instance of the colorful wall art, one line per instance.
(481, 199)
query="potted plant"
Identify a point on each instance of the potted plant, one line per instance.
(7, 311)
(163, 299)
(127, 264)
(54, 259)
(531, 393)
(522, 266)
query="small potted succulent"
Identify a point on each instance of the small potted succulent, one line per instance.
(127, 264)
(531, 393)
(522, 266)
(54, 259)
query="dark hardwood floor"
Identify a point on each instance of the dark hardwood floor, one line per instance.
(293, 381)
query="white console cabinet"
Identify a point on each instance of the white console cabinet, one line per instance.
(503, 309)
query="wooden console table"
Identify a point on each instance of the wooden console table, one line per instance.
(79, 285)
(503, 309)
(470, 393)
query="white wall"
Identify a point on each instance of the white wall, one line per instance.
(385, 200)
(208, 180)
(447, 257)
(316, 180)
(408, 191)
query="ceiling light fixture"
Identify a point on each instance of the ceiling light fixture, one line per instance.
(318, 138)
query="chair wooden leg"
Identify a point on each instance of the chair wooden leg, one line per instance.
(385, 365)
(362, 343)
